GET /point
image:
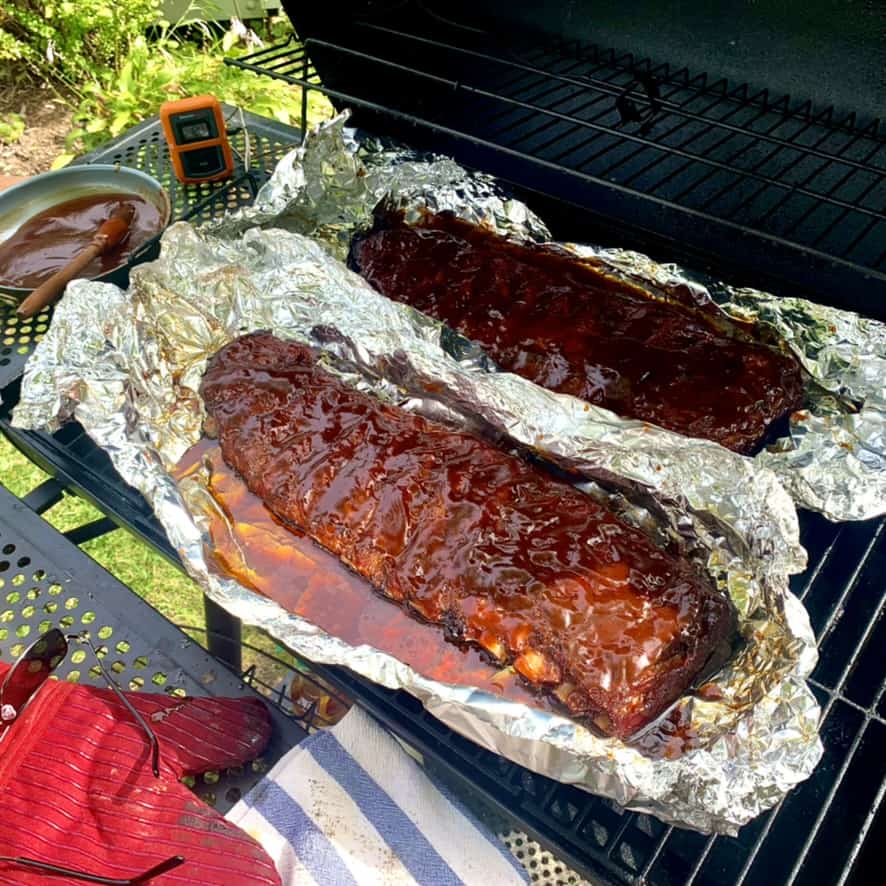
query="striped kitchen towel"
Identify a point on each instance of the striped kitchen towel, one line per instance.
(350, 806)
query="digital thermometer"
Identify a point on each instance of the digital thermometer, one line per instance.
(198, 143)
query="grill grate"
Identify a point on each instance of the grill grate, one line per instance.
(665, 150)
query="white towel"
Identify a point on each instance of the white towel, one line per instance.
(349, 806)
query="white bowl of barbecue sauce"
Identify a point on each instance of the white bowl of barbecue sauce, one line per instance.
(47, 220)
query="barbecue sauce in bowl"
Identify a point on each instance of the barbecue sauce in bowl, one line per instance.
(49, 240)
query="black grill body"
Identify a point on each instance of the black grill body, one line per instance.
(787, 193)
(733, 138)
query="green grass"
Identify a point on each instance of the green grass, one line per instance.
(134, 563)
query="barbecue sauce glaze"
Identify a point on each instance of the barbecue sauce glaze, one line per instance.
(564, 324)
(47, 242)
(468, 538)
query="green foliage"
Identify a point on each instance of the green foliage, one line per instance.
(12, 127)
(70, 42)
(119, 63)
(172, 66)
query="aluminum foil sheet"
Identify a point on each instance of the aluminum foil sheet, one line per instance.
(833, 461)
(128, 367)
(329, 186)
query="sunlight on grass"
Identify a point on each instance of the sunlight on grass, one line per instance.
(139, 567)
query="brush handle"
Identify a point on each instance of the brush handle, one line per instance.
(112, 233)
(49, 290)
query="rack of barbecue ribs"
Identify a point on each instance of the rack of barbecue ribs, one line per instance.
(463, 535)
(563, 323)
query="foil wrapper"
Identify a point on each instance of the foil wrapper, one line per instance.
(834, 459)
(128, 367)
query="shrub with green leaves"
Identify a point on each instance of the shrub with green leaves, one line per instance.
(119, 62)
(171, 66)
(70, 42)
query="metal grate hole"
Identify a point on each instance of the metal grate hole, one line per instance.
(136, 683)
(543, 868)
(73, 677)
(88, 617)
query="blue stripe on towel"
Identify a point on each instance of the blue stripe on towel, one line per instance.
(308, 842)
(411, 846)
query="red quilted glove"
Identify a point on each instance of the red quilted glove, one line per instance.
(77, 790)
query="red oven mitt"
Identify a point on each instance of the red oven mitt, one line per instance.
(77, 790)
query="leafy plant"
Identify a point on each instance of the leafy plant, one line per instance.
(176, 63)
(12, 127)
(70, 43)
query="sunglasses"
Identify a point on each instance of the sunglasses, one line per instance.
(21, 684)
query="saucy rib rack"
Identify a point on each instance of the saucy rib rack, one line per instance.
(472, 539)
(561, 322)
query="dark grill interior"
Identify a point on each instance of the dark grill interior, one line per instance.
(669, 153)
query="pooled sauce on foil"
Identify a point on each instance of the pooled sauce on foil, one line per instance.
(250, 545)
(47, 242)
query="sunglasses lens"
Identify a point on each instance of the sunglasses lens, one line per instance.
(31, 671)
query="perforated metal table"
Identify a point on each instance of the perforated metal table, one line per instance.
(47, 581)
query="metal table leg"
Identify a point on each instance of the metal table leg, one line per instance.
(223, 634)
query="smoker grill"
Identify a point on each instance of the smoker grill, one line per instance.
(612, 147)
(781, 193)
(724, 173)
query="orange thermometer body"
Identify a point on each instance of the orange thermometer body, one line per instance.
(198, 144)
